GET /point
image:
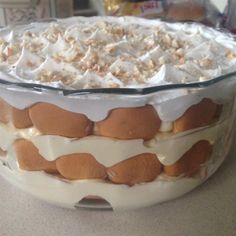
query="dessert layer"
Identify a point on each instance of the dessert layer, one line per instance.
(67, 194)
(122, 123)
(53, 190)
(51, 147)
(106, 52)
(88, 157)
(169, 104)
(143, 167)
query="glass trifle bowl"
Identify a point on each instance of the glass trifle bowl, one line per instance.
(118, 113)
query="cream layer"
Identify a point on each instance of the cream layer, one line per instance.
(69, 193)
(168, 147)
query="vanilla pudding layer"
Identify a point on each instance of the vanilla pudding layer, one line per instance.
(69, 193)
(161, 144)
(110, 151)
(46, 137)
(177, 148)
(175, 154)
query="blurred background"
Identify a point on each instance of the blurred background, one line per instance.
(23, 11)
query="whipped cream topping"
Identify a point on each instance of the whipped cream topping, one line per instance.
(111, 52)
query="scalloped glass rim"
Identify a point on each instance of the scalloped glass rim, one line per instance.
(117, 91)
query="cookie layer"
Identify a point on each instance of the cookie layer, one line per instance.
(189, 164)
(130, 123)
(29, 158)
(19, 118)
(80, 166)
(138, 169)
(50, 119)
(199, 115)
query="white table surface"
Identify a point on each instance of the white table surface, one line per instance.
(208, 210)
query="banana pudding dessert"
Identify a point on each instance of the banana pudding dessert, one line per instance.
(132, 111)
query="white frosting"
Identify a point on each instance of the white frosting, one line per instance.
(167, 147)
(80, 52)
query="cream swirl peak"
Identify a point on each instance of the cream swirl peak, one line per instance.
(106, 52)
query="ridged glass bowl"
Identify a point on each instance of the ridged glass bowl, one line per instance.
(104, 168)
